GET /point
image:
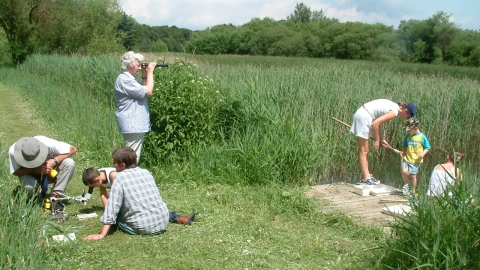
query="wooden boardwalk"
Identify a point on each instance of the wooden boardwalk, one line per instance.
(367, 210)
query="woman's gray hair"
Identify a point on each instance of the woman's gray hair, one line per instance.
(128, 59)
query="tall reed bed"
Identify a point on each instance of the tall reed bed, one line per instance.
(280, 127)
(308, 96)
(74, 95)
(401, 67)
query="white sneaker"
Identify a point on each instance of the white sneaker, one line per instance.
(406, 189)
(376, 181)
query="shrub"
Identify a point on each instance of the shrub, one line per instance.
(183, 111)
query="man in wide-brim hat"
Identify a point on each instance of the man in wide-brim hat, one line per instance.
(33, 157)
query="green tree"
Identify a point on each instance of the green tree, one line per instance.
(209, 43)
(317, 16)
(389, 47)
(240, 39)
(261, 43)
(291, 45)
(5, 56)
(159, 46)
(301, 14)
(311, 34)
(427, 41)
(78, 26)
(353, 40)
(175, 38)
(17, 21)
(257, 24)
(465, 49)
(230, 39)
(126, 32)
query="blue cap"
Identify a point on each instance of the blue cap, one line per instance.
(412, 109)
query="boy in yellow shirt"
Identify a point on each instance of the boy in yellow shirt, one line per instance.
(415, 147)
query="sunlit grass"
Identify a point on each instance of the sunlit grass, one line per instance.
(246, 187)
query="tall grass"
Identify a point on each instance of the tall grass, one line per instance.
(440, 233)
(398, 67)
(310, 95)
(282, 128)
(23, 247)
(75, 97)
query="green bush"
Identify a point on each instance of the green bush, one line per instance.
(183, 112)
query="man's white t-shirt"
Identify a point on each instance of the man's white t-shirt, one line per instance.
(55, 148)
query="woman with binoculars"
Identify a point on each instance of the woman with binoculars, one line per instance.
(133, 117)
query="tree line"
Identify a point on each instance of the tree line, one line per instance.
(307, 33)
(100, 26)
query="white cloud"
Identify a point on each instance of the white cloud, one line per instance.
(352, 15)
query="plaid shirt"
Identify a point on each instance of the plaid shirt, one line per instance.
(135, 195)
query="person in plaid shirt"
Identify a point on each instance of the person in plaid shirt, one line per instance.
(135, 204)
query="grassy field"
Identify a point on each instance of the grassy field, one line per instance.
(248, 189)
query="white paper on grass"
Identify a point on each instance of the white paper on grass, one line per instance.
(64, 238)
(84, 216)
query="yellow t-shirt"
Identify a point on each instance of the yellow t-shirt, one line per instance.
(415, 144)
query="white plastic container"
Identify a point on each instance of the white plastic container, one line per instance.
(381, 190)
(398, 210)
(361, 190)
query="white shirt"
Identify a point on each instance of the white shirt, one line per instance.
(380, 107)
(439, 181)
(108, 171)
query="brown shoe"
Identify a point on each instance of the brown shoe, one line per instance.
(186, 220)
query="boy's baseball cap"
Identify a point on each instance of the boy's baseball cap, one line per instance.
(411, 123)
(412, 109)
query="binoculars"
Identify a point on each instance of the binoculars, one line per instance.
(158, 65)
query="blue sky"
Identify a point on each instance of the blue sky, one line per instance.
(200, 14)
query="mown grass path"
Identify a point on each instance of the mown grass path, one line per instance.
(17, 118)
